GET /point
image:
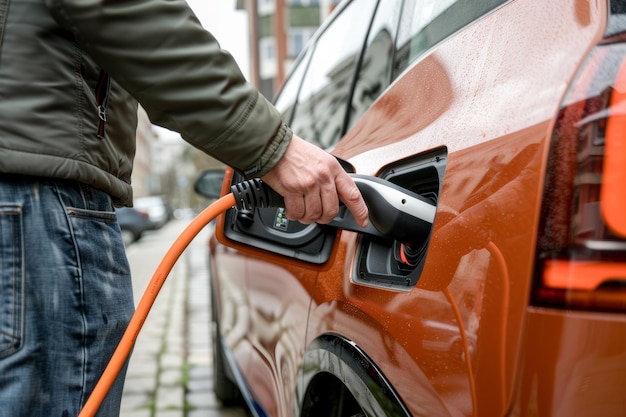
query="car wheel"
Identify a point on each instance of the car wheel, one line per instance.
(224, 388)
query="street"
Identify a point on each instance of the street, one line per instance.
(170, 371)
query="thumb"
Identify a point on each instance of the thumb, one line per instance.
(349, 193)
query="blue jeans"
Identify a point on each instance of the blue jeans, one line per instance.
(65, 296)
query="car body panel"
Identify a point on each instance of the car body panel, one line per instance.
(496, 148)
(488, 96)
(575, 364)
(266, 329)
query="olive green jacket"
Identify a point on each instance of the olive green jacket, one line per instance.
(72, 71)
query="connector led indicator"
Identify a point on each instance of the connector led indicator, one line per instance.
(280, 220)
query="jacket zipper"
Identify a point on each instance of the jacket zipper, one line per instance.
(102, 100)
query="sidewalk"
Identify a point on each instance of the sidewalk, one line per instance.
(170, 371)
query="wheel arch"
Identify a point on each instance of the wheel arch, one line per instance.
(334, 366)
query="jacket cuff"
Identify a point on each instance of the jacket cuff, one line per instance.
(272, 153)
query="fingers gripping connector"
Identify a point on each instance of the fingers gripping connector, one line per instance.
(254, 193)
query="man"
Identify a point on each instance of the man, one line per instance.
(71, 73)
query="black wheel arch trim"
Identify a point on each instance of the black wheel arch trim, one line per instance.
(334, 354)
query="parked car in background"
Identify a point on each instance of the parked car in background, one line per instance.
(133, 222)
(157, 207)
(510, 116)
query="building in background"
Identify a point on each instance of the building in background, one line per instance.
(142, 167)
(279, 29)
(157, 157)
(166, 165)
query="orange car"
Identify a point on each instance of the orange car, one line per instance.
(510, 117)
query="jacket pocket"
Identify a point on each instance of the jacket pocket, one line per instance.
(103, 88)
(11, 279)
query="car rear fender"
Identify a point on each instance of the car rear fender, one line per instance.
(333, 363)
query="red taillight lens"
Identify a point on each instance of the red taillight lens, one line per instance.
(581, 246)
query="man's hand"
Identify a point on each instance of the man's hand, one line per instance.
(312, 182)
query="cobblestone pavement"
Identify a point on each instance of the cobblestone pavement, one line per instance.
(170, 371)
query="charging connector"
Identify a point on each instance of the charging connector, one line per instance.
(395, 213)
(254, 193)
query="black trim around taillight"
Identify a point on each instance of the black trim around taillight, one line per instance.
(581, 262)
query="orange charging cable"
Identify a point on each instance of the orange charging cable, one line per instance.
(147, 300)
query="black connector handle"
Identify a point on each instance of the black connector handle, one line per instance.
(254, 193)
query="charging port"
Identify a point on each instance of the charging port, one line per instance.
(398, 264)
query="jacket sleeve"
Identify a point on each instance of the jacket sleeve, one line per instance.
(158, 51)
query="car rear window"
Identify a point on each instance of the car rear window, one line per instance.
(428, 22)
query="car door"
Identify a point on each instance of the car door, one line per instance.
(280, 259)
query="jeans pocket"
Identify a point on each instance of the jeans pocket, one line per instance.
(11, 278)
(107, 216)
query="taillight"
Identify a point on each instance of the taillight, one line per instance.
(582, 246)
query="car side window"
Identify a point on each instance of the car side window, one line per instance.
(320, 111)
(376, 66)
(428, 22)
(286, 100)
